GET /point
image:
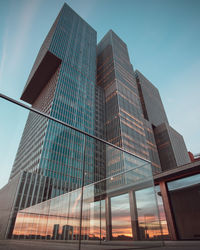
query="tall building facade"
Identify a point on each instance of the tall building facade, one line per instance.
(61, 84)
(123, 114)
(170, 148)
(125, 121)
(152, 105)
(124, 126)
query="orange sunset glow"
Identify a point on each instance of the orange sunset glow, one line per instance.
(34, 224)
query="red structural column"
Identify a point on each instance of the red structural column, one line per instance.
(168, 211)
(108, 219)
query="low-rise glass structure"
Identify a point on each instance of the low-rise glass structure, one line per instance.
(122, 206)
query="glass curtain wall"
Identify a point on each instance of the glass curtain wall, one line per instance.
(185, 200)
(121, 206)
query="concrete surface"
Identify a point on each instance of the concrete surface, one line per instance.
(56, 245)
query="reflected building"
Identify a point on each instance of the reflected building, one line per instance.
(122, 213)
(55, 234)
(67, 232)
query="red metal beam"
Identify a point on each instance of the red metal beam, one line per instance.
(168, 211)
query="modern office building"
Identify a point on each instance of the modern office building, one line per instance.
(123, 116)
(133, 107)
(124, 119)
(152, 105)
(170, 150)
(171, 147)
(61, 84)
(92, 88)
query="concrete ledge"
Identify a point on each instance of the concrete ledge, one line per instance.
(42, 75)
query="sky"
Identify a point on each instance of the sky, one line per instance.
(163, 41)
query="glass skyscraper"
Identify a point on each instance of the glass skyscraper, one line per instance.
(61, 84)
(125, 122)
(166, 146)
(92, 88)
(124, 126)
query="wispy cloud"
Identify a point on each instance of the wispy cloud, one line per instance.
(15, 38)
(23, 26)
(3, 55)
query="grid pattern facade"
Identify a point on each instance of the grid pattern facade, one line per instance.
(124, 126)
(74, 41)
(151, 102)
(171, 147)
(29, 152)
(168, 150)
(179, 147)
(34, 188)
(123, 114)
(100, 132)
(152, 147)
(53, 150)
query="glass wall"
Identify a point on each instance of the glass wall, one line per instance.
(185, 200)
(64, 202)
(163, 221)
(106, 213)
(121, 218)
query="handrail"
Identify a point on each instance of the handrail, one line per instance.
(67, 125)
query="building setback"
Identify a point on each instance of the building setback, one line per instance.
(170, 144)
(95, 89)
(152, 105)
(171, 147)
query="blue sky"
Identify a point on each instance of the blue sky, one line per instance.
(163, 40)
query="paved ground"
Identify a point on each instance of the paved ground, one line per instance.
(52, 245)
